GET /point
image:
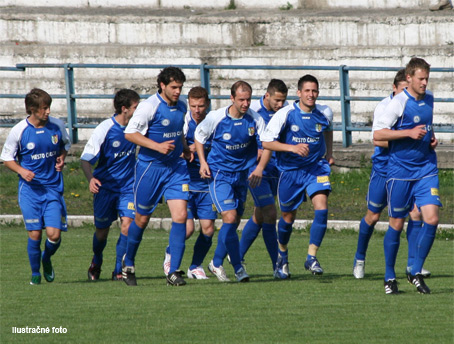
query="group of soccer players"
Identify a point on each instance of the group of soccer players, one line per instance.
(203, 164)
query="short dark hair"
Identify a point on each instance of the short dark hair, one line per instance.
(306, 78)
(400, 77)
(125, 97)
(35, 99)
(414, 64)
(169, 74)
(198, 92)
(240, 84)
(277, 85)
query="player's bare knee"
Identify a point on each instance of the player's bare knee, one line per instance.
(372, 218)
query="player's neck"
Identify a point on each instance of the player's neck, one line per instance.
(36, 122)
(121, 119)
(167, 100)
(267, 104)
(304, 108)
(233, 112)
(415, 95)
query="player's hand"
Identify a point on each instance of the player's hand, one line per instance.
(255, 178)
(94, 186)
(330, 160)
(301, 149)
(192, 148)
(204, 170)
(188, 155)
(166, 147)
(433, 143)
(27, 175)
(60, 164)
(418, 132)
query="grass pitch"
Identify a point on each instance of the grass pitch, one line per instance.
(333, 308)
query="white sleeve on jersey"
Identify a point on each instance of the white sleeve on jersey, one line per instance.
(11, 145)
(64, 133)
(187, 119)
(256, 105)
(379, 109)
(259, 121)
(142, 116)
(209, 124)
(96, 140)
(274, 127)
(327, 112)
(386, 118)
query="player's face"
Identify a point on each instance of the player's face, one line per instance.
(241, 101)
(400, 87)
(274, 102)
(171, 92)
(198, 107)
(41, 114)
(417, 83)
(130, 111)
(308, 96)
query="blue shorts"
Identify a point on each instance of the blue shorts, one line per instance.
(228, 190)
(200, 206)
(264, 194)
(376, 195)
(42, 207)
(403, 194)
(108, 205)
(153, 181)
(293, 185)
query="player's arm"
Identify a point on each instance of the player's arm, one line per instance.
(383, 144)
(416, 133)
(140, 140)
(188, 154)
(255, 178)
(328, 135)
(301, 149)
(94, 184)
(204, 168)
(23, 172)
(61, 160)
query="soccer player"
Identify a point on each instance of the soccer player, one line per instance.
(112, 180)
(200, 205)
(157, 127)
(234, 131)
(301, 135)
(412, 177)
(376, 195)
(264, 216)
(40, 144)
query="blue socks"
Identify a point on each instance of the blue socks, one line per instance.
(135, 234)
(201, 248)
(318, 228)
(270, 238)
(220, 252)
(177, 245)
(49, 249)
(98, 248)
(424, 244)
(34, 255)
(229, 237)
(248, 236)
(284, 230)
(391, 244)
(413, 230)
(365, 232)
(121, 250)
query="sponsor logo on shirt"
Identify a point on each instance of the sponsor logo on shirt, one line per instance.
(122, 154)
(55, 139)
(43, 155)
(185, 187)
(416, 119)
(238, 146)
(434, 192)
(30, 145)
(116, 144)
(226, 136)
(294, 127)
(172, 134)
(323, 179)
(305, 139)
(165, 122)
(131, 206)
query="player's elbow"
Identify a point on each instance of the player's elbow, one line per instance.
(267, 145)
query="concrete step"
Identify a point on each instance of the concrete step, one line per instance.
(246, 27)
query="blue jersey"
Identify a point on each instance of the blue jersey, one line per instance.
(380, 156)
(291, 125)
(409, 158)
(37, 150)
(197, 183)
(234, 140)
(160, 122)
(115, 155)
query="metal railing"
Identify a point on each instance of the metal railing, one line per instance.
(346, 126)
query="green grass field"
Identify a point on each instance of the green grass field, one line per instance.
(333, 308)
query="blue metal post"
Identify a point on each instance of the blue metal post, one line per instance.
(71, 103)
(205, 80)
(345, 106)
